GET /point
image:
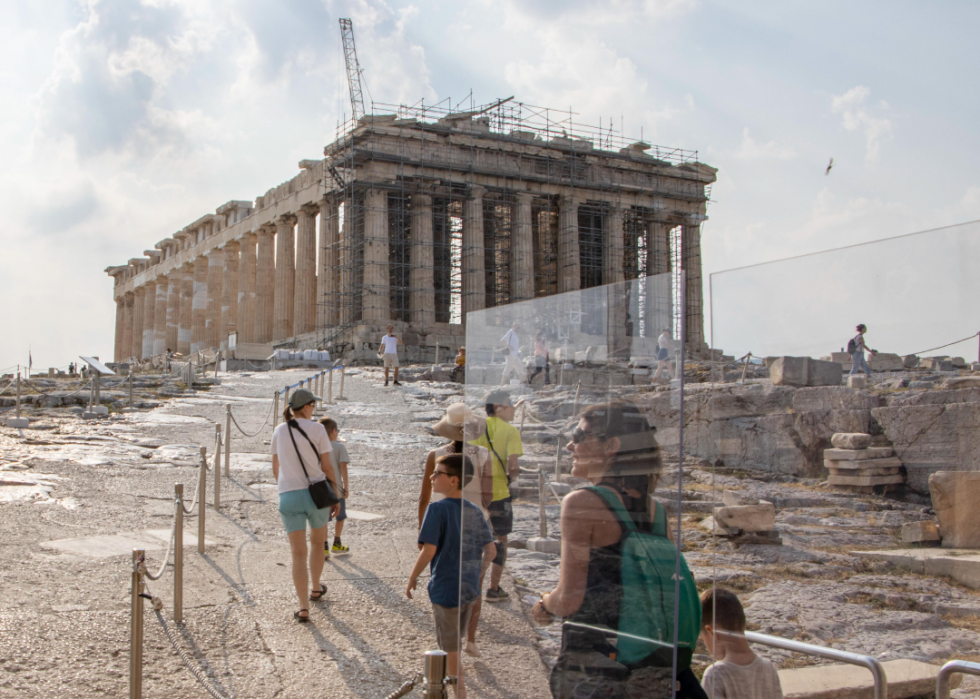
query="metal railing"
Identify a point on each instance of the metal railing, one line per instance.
(947, 671)
(877, 671)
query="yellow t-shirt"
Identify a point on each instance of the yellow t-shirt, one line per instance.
(460, 360)
(506, 440)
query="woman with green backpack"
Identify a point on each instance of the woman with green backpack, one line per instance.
(616, 588)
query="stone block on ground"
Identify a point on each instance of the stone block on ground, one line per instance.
(853, 440)
(842, 358)
(936, 364)
(18, 422)
(805, 371)
(962, 382)
(732, 498)
(857, 380)
(864, 465)
(955, 495)
(906, 678)
(920, 384)
(866, 481)
(858, 454)
(958, 362)
(926, 531)
(748, 518)
(886, 362)
(544, 544)
(910, 361)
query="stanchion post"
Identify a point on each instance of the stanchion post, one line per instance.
(330, 386)
(434, 670)
(136, 629)
(541, 501)
(18, 393)
(275, 411)
(342, 372)
(202, 486)
(217, 467)
(227, 440)
(179, 554)
(130, 389)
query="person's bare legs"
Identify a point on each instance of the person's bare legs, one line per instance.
(475, 614)
(455, 667)
(496, 571)
(386, 374)
(396, 373)
(317, 537)
(338, 527)
(297, 546)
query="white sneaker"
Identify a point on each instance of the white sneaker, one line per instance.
(471, 649)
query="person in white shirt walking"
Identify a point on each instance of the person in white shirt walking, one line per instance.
(512, 355)
(389, 351)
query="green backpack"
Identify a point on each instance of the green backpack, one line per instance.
(646, 610)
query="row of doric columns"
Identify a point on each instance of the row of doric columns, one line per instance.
(265, 286)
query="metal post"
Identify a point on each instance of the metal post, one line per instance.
(217, 467)
(330, 386)
(342, 372)
(130, 389)
(541, 499)
(98, 387)
(136, 629)
(434, 670)
(275, 411)
(202, 486)
(227, 440)
(744, 368)
(558, 458)
(18, 393)
(179, 554)
(437, 354)
(285, 397)
(943, 681)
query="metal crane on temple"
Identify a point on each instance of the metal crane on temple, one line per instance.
(353, 68)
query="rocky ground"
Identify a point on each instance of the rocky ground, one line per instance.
(64, 607)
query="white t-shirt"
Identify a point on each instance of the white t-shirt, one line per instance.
(757, 680)
(512, 340)
(291, 476)
(665, 341)
(390, 343)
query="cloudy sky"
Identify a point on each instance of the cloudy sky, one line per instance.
(126, 120)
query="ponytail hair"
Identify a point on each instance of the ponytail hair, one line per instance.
(287, 414)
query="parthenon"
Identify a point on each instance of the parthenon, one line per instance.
(414, 218)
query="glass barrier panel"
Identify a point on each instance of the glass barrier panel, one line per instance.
(834, 424)
(572, 494)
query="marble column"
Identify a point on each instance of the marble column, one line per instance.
(328, 274)
(693, 308)
(136, 337)
(246, 289)
(185, 319)
(173, 309)
(265, 277)
(117, 352)
(149, 318)
(569, 259)
(304, 302)
(160, 317)
(229, 293)
(522, 251)
(282, 318)
(216, 270)
(612, 235)
(377, 301)
(199, 305)
(126, 348)
(421, 280)
(658, 247)
(473, 265)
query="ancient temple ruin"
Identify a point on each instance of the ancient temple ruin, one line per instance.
(415, 217)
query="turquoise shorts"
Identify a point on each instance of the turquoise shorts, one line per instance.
(296, 509)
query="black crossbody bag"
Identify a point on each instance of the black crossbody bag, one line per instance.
(322, 492)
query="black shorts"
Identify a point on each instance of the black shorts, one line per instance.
(501, 516)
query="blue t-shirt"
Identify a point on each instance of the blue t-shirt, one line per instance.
(441, 527)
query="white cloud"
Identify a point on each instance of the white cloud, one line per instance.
(856, 116)
(750, 149)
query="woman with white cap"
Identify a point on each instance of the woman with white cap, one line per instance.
(460, 425)
(301, 457)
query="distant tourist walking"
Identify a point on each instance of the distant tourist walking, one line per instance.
(856, 348)
(389, 351)
(301, 457)
(542, 359)
(503, 441)
(458, 547)
(339, 459)
(512, 354)
(665, 347)
(460, 363)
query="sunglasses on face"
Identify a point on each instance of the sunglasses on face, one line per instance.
(436, 474)
(579, 435)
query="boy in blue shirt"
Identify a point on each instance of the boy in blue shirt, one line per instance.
(452, 529)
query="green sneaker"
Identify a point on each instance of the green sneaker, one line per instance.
(326, 552)
(498, 595)
(339, 550)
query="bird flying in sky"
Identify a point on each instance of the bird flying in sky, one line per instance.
(829, 165)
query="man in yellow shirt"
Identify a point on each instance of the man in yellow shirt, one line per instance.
(503, 441)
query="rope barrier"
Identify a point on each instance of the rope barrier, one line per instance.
(195, 670)
(271, 408)
(190, 510)
(969, 337)
(170, 548)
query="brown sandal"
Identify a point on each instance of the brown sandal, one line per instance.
(317, 596)
(300, 618)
